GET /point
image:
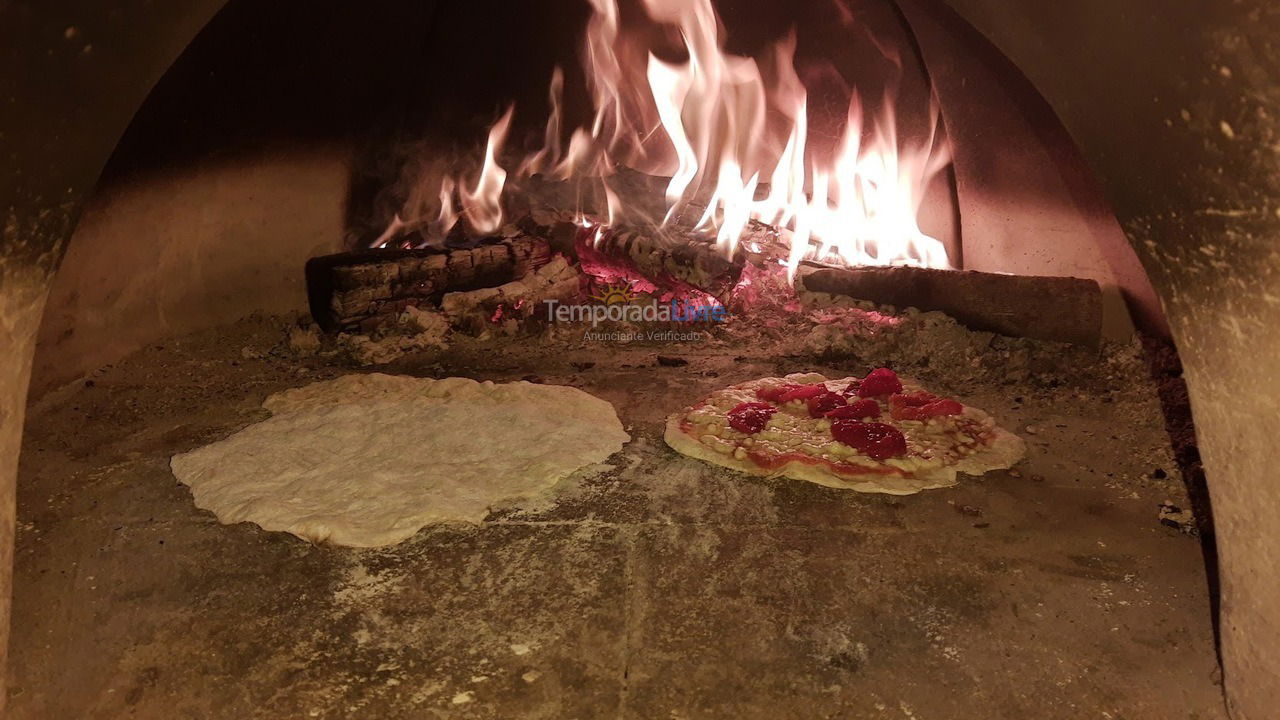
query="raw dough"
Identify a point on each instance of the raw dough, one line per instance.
(368, 460)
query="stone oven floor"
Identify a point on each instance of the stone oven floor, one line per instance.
(660, 588)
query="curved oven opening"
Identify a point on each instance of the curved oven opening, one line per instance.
(295, 132)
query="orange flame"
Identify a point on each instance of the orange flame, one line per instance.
(702, 122)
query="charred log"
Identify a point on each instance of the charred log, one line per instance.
(351, 288)
(670, 264)
(1063, 309)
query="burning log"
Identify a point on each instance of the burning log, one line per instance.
(670, 265)
(646, 255)
(352, 288)
(1063, 309)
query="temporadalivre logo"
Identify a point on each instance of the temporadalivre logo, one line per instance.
(621, 302)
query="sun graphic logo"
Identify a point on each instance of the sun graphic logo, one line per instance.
(615, 293)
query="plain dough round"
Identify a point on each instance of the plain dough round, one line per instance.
(368, 460)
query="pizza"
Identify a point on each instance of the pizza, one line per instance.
(878, 433)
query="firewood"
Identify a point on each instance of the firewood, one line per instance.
(1064, 309)
(351, 288)
(692, 262)
(670, 263)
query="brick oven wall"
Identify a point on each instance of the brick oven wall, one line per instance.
(1189, 171)
(1177, 108)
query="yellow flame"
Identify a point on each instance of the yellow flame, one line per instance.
(482, 206)
(704, 122)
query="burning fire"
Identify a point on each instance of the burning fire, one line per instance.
(704, 122)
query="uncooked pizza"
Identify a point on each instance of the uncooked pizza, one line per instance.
(878, 433)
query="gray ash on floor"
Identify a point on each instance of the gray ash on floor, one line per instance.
(1166, 374)
(657, 586)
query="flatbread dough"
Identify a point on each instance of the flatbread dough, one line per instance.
(368, 460)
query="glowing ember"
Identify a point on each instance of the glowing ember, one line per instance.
(701, 122)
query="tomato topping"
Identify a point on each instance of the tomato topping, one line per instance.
(773, 392)
(876, 440)
(820, 405)
(906, 412)
(946, 406)
(865, 408)
(881, 381)
(921, 405)
(803, 392)
(751, 417)
(919, 398)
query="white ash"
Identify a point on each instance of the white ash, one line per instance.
(304, 341)
(415, 330)
(1183, 520)
(474, 310)
(427, 322)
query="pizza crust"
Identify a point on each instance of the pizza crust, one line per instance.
(1005, 450)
